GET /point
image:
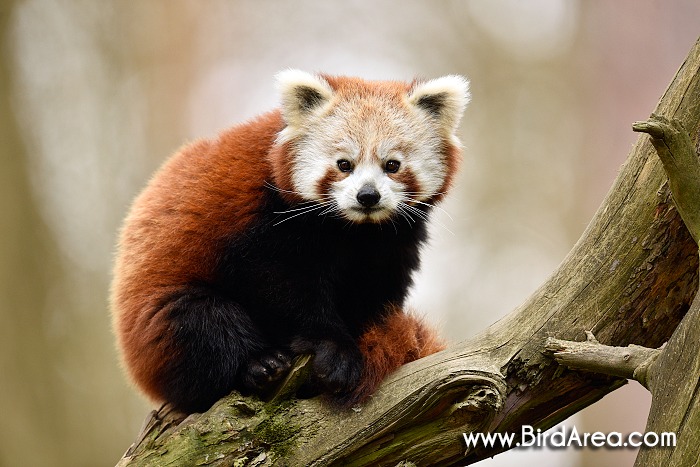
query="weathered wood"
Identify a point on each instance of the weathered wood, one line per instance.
(671, 373)
(630, 279)
(674, 382)
(680, 160)
(629, 362)
(674, 377)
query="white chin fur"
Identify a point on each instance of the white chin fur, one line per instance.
(360, 216)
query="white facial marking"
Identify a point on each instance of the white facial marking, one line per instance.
(367, 173)
(369, 129)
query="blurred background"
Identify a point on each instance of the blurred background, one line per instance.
(95, 95)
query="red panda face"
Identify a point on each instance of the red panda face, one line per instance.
(369, 151)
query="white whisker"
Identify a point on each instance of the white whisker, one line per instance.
(331, 208)
(424, 193)
(401, 209)
(308, 210)
(413, 200)
(407, 208)
(281, 190)
(434, 206)
(296, 209)
(396, 231)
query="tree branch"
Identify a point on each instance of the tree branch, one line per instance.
(680, 160)
(630, 279)
(671, 373)
(629, 362)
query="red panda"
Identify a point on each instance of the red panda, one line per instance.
(296, 232)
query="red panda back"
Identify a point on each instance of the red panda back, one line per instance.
(205, 193)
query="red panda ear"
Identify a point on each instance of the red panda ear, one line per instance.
(442, 98)
(301, 94)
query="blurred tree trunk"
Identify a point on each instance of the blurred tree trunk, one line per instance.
(81, 86)
(630, 280)
(27, 260)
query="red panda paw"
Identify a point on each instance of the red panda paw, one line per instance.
(266, 369)
(336, 366)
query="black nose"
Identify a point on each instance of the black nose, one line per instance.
(368, 196)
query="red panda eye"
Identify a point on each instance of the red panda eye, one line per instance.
(345, 165)
(392, 166)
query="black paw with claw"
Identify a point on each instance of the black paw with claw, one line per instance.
(336, 367)
(266, 369)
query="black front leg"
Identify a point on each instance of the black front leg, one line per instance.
(337, 363)
(214, 348)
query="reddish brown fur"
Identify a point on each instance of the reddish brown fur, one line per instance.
(389, 90)
(408, 179)
(453, 156)
(326, 182)
(399, 339)
(176, 229)
(156, 262)
(281, 162)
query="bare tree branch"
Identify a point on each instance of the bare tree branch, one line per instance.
(629, 362)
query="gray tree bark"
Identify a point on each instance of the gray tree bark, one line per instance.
(630, 279)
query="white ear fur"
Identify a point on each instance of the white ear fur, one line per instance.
(301, 93)
(443, 98)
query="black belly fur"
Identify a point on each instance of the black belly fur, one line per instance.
(314, 277)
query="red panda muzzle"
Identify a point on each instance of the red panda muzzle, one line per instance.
(368, 196)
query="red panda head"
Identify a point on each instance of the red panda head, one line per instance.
(367, 150)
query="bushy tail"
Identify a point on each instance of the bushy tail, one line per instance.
(396, 340)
